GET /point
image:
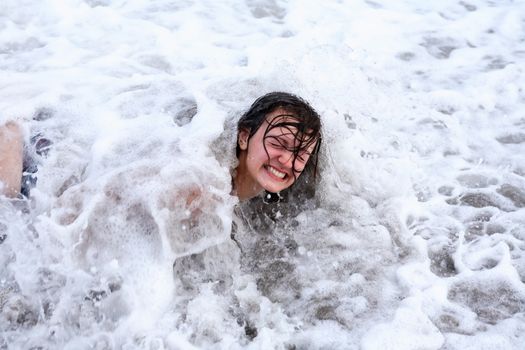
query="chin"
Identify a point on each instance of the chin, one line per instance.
(275, 189)
(271, 185)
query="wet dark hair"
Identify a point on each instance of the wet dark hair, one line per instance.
(299, 118)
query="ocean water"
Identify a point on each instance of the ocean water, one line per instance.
(411, 237)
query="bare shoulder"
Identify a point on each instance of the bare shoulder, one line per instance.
(12, 130)
(11, 159)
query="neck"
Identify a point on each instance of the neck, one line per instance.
(244, 186)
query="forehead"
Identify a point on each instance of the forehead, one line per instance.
(281, 120)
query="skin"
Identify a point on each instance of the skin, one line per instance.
(272, 171)
(257, 170)
(11, 158)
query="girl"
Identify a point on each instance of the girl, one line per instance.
(276, 139)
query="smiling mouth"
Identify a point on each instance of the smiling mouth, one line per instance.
(276, 172)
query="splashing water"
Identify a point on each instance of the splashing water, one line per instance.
(412, 236)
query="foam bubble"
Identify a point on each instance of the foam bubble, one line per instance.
(410, 237)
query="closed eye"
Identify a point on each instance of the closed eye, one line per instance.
(277, 145)
(302, 156)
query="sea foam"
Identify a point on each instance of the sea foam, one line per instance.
(411, 236)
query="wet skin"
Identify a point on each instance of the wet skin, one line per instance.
(11, 153)
(273, 171)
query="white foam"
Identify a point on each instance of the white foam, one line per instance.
(415, 231)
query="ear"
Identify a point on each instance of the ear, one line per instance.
(243, 139)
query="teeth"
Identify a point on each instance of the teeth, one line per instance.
(276, 172)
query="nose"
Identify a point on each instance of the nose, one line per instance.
(286, 159)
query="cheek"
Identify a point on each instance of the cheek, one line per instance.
(272, 153)
(256, 158)
(263, 154)
(300, 165)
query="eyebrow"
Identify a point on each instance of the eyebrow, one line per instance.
(301, 148)
(288, 139)
(304, 137)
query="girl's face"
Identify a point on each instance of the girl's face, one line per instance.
(273, 169)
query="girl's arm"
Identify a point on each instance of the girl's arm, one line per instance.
(11, 158)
